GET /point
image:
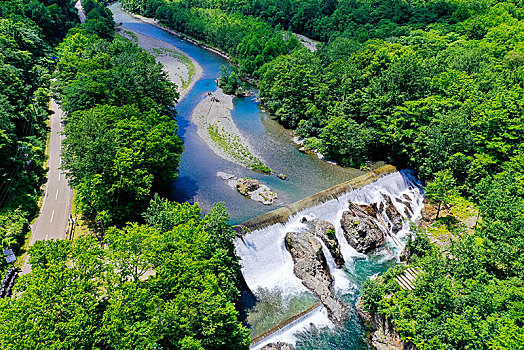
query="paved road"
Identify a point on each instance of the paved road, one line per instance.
(56, 207)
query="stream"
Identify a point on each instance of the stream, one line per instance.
(267, 266)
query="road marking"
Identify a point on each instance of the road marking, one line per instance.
(56, 197)
(58, 176)
(52, 216)
(46, 237)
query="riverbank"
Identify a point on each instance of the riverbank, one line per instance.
(182, 69)
(156, 23)
(216, 128)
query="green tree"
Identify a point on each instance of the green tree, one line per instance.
(441, 189)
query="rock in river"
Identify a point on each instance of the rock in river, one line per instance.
(361, 228)
(326, 232)
(311, 267)
(256, 191)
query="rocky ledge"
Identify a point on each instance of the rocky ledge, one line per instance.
(312, 268)
(361, 227)
(383, 335)
(326, 232)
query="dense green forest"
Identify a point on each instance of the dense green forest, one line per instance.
(170, 279)
(28, 31)
(434, 85)
(82, 296)
(121, 142)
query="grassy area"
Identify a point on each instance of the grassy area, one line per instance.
(232, 145)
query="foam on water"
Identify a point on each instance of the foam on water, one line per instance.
(317, 317)
(266, 262)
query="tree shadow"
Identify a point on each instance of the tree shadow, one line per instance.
(183, 189)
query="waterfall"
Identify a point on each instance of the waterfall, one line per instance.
(267, 264)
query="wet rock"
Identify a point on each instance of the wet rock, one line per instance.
(311, 267)
(256, 191)
(361, 228)
(247, 186)
(326, 232)
(277, 346)
(392, 213)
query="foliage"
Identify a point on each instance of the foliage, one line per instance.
(441, 189)
(251, 41)
(121, 142)
(229, 81)
(169, 286)
(234, 147)
(28, 32)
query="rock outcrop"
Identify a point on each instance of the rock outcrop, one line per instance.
(383, 335)
(361, 227)
(311, 267)
(392, 213)
(256, 191)
(247, 186)
(277, 346)
(250, 188)
(326, 232)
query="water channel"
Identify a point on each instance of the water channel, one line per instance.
(198, 183)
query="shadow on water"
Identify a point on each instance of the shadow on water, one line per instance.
(186, 189)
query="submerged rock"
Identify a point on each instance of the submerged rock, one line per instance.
(361, 228)
(311, 267)
(326, 232)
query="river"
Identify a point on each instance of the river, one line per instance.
(197, 182)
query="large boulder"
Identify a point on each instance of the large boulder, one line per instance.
(392, 213)
(311, 267)
(361, 228)
(326, 232)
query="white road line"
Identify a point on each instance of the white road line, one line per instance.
(46, 237)
(58, 176)
(56, 197)
(52, 216)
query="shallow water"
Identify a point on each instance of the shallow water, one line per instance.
(197, 180)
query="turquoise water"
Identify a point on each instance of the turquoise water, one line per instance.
(197, 180)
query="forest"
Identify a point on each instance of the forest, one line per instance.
(155, 274)
(28, 31)
(432, 85)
